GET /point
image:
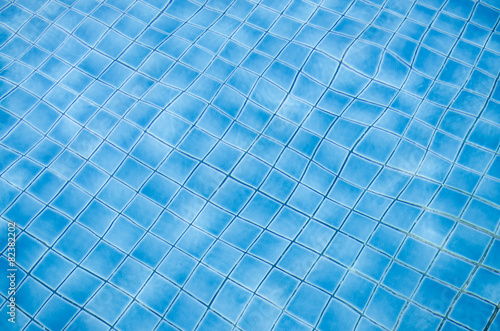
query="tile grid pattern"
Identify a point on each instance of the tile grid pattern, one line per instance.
(294, 165)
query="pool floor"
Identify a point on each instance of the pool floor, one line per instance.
(249, 165)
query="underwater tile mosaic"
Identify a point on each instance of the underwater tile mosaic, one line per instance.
(249, 165)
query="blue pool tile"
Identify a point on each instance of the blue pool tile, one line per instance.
(343, 249)
(116, 194)
(278, 185)
(159, 188)
(204, 283)
(286, 322)
(231, 300)
(37, 83)
(288, 223)
(485, 285)
(485, 215)
(57, 312)
(90, 178)
(177, 266)
(149, 295)
(72, 50)
(371, 263)
(72, 286)
(150, 250)
(433, 227)
(363, 112)
(213, 219)
(22, 138)
(465, 305)
(397, 275)
(449, 201)
(249, 272)
(8, 122)
(130, 276)
(267, 95)
(419, 191)
(198, 144)
(195, 242)
(198, 183)
(258, 315)
(71, 200)
(76, 80)
(415, 316)
(355, 290)
(8, 157)
(15, 47)
(315, 235)
(299, 303)
(294, 252)
(326, 274)
(85, 320)
(169, 227)
(280, 130)
(53, 262)
(487, 189)
(229, 254)
(32, 295)
(179, 205)
(269, 247)
(103, 259)
(390, 182)
(278, 287)
(434, 167)
(358, 226)
(89, 217)
(407, 156)
(386, 239)
(373, 205)
(111, 300)
(440, 268)
(260, 210)
(338, 314)
(305, 199)
(137, 85)
(22, 172)
(416, 254)
(123, 234)
(434, 295)
(366, 324)
(33, 25)
(49, 225)
(132, 173)
(85, 143)
(76, 242)
(241, 234)
(314, 178)
(213, 321)
(359, 170)
(46, 185)
(10, 193)
(23, 210)
(137, 316)
(495, 322)
(386, 318)
(473, 249)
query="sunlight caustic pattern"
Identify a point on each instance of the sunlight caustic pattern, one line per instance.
(251, 165)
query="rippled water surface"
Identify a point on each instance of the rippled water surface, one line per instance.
(246, 165)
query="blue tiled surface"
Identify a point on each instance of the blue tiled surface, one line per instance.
(221, 165)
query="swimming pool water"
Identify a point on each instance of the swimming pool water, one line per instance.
(250, 165)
